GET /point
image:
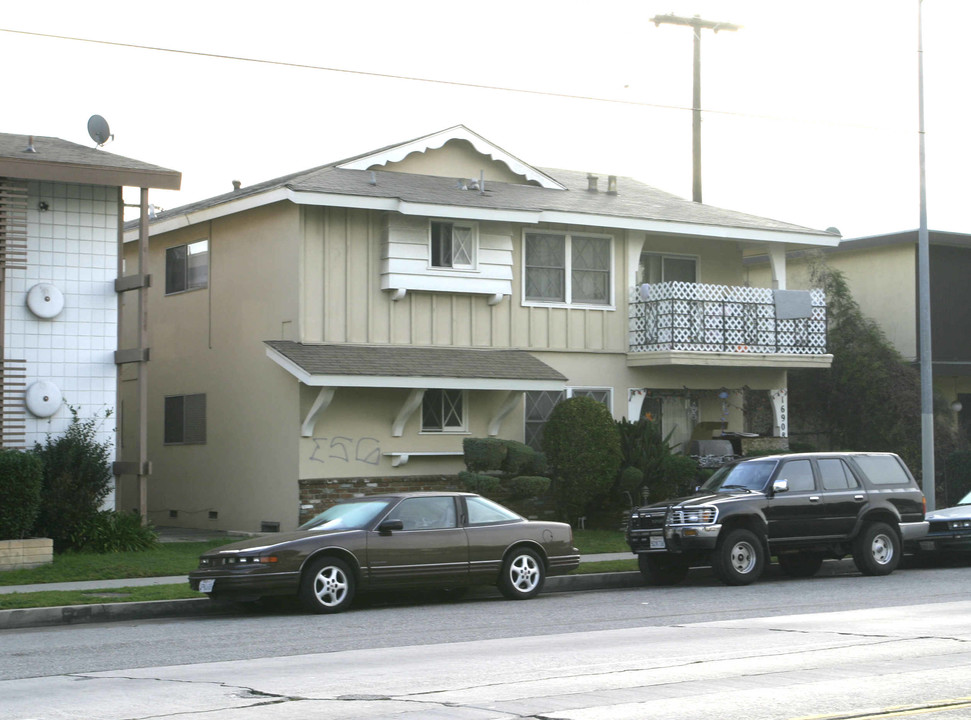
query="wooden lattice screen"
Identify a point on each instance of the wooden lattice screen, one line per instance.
(13, 256)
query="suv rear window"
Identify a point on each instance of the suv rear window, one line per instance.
(882, 469)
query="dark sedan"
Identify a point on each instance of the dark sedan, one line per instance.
(397, 540)
(950, 528)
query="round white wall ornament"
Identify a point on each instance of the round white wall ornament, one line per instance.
(45, 300)
(43, 398)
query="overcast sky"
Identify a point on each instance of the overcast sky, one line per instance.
(810, 109)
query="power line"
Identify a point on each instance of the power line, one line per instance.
(434, 81)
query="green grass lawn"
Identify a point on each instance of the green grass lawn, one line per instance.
(57, 598)
(592, 542)
(176, 558)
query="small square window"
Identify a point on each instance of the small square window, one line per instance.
(187, 267)
(452, 245)
(185, 419)
(443, 411)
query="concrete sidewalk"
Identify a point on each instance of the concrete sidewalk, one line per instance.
(108, 612)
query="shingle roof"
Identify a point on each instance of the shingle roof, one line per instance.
(633, 201)
(56, 159)
(392, 361)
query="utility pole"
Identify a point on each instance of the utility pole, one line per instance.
(697, 25)
(924, 295)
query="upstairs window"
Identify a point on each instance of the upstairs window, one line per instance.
(185, 419)
(443, 411)
(452, 244)
(187, 267)
(567, 268)
(655, 268)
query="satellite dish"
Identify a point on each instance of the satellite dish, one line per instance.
(98, 129)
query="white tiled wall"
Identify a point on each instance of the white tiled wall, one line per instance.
(72, 245)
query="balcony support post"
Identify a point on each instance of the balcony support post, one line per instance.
(777, 261)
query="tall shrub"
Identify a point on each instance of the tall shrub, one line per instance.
(661, 474)
(869, 399)
(20, 488)
(77, 478)
(582, 446)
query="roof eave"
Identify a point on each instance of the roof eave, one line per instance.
(52, 171)
(467, 212)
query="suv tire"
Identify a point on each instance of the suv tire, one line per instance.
(877, 549)
(739, 558)
(662, 570)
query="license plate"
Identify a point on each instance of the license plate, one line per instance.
(205, 586)
(657, 542)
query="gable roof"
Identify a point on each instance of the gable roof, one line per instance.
(635, 206)
(399, 151)
(56, 160)
(413, 367)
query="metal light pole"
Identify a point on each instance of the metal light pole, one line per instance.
(923, 294)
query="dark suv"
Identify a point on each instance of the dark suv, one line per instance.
(801, 508)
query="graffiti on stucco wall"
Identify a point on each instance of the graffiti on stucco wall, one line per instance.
(345, 449)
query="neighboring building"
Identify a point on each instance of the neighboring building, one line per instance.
(881, 271)
(343, 329)
(60, 235)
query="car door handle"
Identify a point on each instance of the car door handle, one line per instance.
(858, 498)
(814, 498)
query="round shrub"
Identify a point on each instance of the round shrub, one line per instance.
(582, 445)
(483, 453)
(479, 483)
(21, 475)
(527, 486)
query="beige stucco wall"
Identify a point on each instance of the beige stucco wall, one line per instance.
(883, 281)
(210, 341)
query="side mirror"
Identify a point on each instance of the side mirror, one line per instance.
(388, 526)
(780, 486)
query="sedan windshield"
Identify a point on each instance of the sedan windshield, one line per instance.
(743, 476)
(351, 515)
(966, 500)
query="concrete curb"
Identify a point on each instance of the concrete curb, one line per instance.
(115, 612)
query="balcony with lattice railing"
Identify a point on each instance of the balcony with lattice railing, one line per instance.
(698, 318)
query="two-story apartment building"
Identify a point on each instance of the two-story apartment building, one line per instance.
(61, 209)
(344, 328)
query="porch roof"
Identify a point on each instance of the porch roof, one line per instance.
(327, 365)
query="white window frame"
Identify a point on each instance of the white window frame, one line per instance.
(191, 248)
(473, 251)
(567, 236)
(463, 429)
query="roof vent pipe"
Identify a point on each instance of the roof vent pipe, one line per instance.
(481, 182)
(612, 184)
(374, 179)
(30, 145)
(237, 185)
(592, 182)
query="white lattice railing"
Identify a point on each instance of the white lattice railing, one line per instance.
(721, 318)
